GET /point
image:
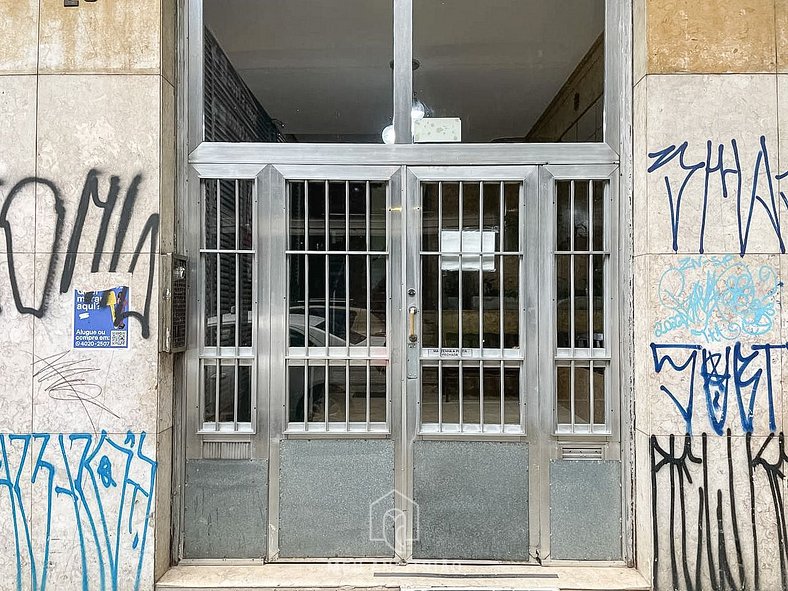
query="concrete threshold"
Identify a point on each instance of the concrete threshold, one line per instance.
(334, 576)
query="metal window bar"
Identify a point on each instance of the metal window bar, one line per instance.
(589, 358)
(231, 355)
(327, 357)
(469, 357)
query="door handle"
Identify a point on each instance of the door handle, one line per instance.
(412, 311)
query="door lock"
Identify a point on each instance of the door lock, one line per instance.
(412, 311)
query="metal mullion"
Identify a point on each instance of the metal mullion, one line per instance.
(500, 277)
(461, 392)
(347, 269)
(367, 364)
(237, 303)
(503, 421)
(326, 394)
(440, 394)
(573, 287)
(347, 394)
(306, 395)
(459, 279)
(440, 267)
(216, 398)
(367, 257)
(572, 393)
(590, 290)
(325, 271)
(481, 306)
(591, 395)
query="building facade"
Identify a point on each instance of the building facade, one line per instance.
(399, 284)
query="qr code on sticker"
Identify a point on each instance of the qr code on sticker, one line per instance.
(117, 338)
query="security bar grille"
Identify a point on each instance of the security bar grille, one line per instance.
(581, 286)
(338, 294)
(471, 285)
(229, 301)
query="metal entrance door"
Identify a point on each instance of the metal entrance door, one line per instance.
(470, 247)
(406, 363)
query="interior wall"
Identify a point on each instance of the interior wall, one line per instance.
(710, 154)
(86, 189)
(576, 112)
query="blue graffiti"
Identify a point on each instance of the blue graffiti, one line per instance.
(713, 166)
(731, 368)
(718, 298)
(105, 485)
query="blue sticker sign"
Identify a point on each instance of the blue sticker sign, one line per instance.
(101, 318)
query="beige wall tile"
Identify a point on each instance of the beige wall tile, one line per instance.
(169, 44)
(781, 22)
(18, 158)
(163, 502)
(19, 34)
(98, 131)
(100, 37)
(707, 37)
(697, 109)
(639, 45)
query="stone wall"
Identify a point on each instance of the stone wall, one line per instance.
(86, 190)
(710, 156)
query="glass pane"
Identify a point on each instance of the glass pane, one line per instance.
(295, 380)
(316, 326)
(511, 222)
(297, 305)
(298, 70)
(491, 386)
(336, 393)
(378, 298)
(337, 334)
(377, 216)
(450, 204)
(509, 70)
(296, 214)
(429, 217)
(246, 269)
(470, 304)
(581, 302)
(511, 302)
(209, 212)
(450, 292)
(582, 395)
(378, 393)
(358, 217)
(470, 214)
(227, 301)
(316, 393)
(491, 296)
(430, 396)
(599, 300)
(358, 393)
(246, 214)
(564, 395)
(581, 216)
(470, 395)
(563, 231)
(451, 394)
(244, 393)
(226, 393)
(358, 299)
(209, 392)
(210, 300)
(227, 220)
(511, 395)
(563, 303)
(429, 301)
(317, 215)
(599, 215)
(336, 217)
(599, 396)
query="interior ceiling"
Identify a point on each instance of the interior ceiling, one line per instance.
(322, 66)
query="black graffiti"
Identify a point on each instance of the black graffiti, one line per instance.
(716, 525)
(90, 197)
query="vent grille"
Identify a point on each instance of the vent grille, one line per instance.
(180, 296)
(226, 450)
(582, 452)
